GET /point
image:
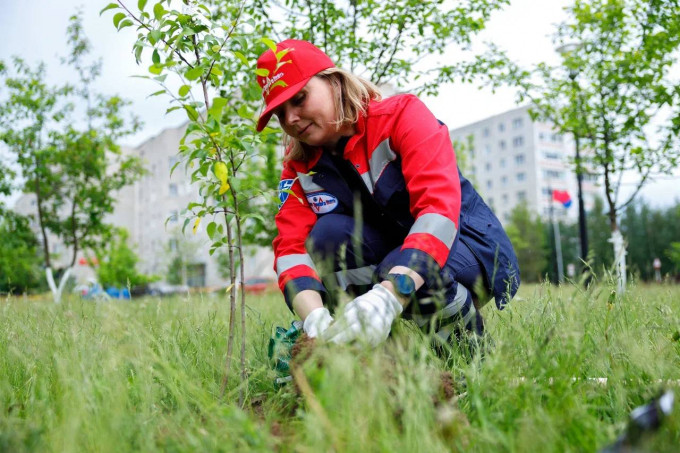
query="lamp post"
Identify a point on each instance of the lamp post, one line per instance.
(582, 230)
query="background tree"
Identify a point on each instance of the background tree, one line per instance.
(613, 91)
(527, 234)
(117, 263)
(19, 255)
(72, 166)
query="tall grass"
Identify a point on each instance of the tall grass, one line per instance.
(145, 376)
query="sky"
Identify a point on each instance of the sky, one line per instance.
(36, 31)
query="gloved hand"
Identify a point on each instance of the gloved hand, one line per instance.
(367, 318)
(317, 321)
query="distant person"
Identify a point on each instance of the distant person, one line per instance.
(657, 270)
(383, 170)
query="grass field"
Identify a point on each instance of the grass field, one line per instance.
(145, 376)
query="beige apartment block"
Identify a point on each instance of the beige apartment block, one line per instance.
(514, 159)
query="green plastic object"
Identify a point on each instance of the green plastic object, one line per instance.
(279, 351)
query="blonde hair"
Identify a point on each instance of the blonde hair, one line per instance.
(351, 95)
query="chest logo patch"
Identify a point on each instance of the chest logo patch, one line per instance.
(284, 185)
(322, 202)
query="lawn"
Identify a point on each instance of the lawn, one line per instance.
(145, 375)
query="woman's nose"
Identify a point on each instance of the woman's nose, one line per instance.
(292, 115)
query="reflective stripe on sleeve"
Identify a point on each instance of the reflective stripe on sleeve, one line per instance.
(438, 226)
(289, 261)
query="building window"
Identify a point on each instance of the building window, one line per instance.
(501, 144)
(521, 176)
(517, 123)
(505, 198)
(173, 216)
(501, 127)
(489, 184)
(551, 155)
(504, 181)
(172, 244)
(487, 149)
(502, 163)
(519, 159)
(489, 201)
(518, 141)
(486, 132)
(552, 174)
(488, 166)
(546, 191)
(541, 136)
(521, 195)
(172, 190)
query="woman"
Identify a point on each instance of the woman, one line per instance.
(371, 196)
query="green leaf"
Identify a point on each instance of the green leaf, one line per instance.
(155, 36)
(141, 4)
(191, 112)
(278, 83)
(108, 7)
(155, 57)
(117, 18)
(183, 90)
(215, 48)
(172, 170)
(159, 11)
(172, 109)
(194, 73)
(216, 71)
(262, 72)
(243, 112)
(155, 69)
(241, 57)
(125, 23)
(217, 107)
(210, 229)
(156, 93)
(281, 54)
(269, 43)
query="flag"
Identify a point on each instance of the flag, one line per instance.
(563, 197)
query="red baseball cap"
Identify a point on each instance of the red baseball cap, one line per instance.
(287, 72)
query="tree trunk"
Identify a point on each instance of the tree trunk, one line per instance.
(57, 290)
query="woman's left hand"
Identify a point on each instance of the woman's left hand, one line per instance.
(367, 318)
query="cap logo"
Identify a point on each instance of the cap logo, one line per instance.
(271, 82)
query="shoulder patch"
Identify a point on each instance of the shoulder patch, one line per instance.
(322, 202)
(284, 184)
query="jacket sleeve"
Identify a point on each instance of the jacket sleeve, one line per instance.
(295, 219)
(431, 175)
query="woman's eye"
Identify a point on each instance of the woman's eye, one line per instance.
(297, 100)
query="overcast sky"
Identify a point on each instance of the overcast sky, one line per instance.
(35, 30)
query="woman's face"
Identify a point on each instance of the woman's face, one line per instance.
(309, 116)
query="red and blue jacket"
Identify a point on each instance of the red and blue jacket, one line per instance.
(405, 158)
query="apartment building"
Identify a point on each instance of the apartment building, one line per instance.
(513, 159)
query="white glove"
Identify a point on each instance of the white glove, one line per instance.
(367, 318)
(317, 321)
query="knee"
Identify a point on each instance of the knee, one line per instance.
(329, 233)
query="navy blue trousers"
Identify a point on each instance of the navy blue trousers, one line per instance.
(354, 262)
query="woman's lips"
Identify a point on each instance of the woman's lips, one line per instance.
(301, 132)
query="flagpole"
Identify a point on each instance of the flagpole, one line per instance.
(558, 240)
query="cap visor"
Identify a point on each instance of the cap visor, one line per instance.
(288, 93)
